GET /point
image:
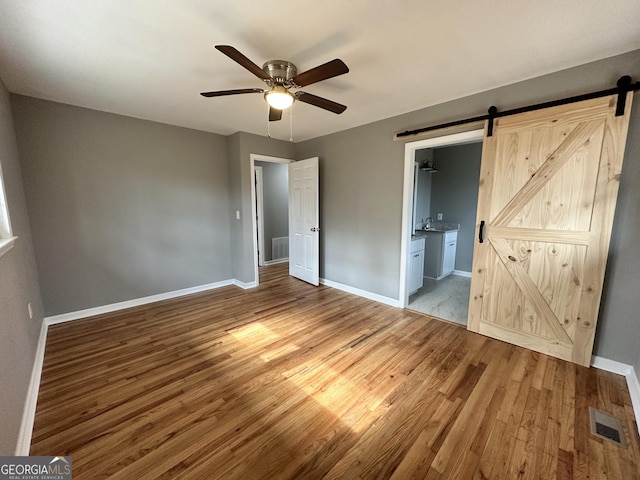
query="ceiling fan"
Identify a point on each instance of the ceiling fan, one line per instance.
(282, 76)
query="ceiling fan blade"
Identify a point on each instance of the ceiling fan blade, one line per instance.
(222, 93)
(274, 114)
(236, 56)
(322, 72)
(320, 102)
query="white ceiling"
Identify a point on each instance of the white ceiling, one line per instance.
(151, 58)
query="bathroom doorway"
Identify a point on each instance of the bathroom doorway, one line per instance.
(439, 221)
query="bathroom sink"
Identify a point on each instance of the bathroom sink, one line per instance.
(442, 227)
(437, 228)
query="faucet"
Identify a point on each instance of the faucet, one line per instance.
(427, 224)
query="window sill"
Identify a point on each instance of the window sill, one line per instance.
(6, 244)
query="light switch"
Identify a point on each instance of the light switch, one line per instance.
(237, 214)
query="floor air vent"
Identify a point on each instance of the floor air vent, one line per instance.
(279, 248)
(605, 426)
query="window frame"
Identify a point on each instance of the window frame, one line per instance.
(7, 239)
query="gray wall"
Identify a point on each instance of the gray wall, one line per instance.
(361, 174)
(120, 208)
(454, 192)
(18, 286)
(618, 334)
(275, 186)
(239, 147)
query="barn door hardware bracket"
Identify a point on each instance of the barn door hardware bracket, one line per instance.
(624, 86)
(493, 112)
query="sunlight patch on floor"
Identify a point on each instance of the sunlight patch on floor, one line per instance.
(253, 333)
(256, 334)
(354, 404)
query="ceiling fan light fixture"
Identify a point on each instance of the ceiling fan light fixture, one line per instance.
(279, 98)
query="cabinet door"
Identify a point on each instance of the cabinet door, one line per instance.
(449, 257)
(420, 268)
(417, 268)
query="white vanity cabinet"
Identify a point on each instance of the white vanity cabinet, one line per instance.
(416, 264)
(441, 260)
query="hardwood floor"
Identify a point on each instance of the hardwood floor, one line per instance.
(290, 381)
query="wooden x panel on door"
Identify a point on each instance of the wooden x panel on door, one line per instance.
(548, 189)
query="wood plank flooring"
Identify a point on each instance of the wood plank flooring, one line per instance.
(290, 381)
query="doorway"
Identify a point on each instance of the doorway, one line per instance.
(269, 192)
(439, 215)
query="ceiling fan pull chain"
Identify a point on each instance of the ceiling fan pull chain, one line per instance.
(291, 123)
(268, 123)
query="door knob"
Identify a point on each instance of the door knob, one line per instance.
(315, 229)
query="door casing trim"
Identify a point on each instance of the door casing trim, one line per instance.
(256, 157)
(410, 149)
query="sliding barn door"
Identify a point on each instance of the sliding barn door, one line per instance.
(548, 189)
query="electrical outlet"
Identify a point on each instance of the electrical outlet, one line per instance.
(439, 216)
(30, 310)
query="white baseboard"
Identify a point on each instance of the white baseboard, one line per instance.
(459, 273)
(275, 262)
(245, 285)
(462, 273)
(632, 380)
(114, 307)
(634, 392)
(29, 413)
(361, 293)
(610, 365)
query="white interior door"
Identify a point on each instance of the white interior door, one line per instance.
(304, 224)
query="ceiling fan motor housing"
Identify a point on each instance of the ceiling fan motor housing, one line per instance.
(280, 71)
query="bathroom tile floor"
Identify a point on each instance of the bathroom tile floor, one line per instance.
(447, 298)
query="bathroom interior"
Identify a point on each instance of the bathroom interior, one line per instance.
(444, 217)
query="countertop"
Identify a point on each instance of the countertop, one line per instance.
(437, 228)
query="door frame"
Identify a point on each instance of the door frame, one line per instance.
(410, 149)
(257, 157)
(259, 213)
